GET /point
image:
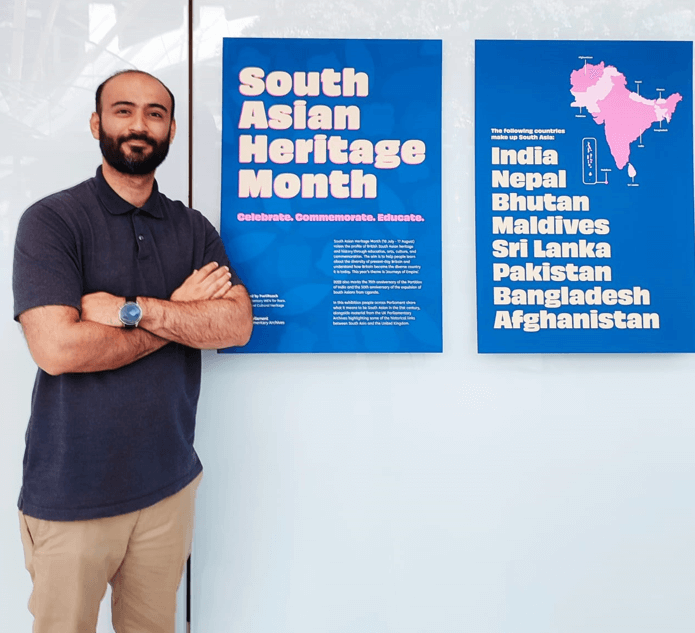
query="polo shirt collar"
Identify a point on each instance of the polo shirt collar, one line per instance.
(118, 206)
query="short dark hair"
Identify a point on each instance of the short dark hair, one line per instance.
(100, 89)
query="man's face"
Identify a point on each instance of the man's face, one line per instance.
(135, 126)
(129, 159)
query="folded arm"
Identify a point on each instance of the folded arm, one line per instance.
(206, 311)
(60, 342)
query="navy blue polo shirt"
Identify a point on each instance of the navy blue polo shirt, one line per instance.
(106, 443)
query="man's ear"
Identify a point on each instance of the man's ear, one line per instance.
(172, 130)
(94, 125)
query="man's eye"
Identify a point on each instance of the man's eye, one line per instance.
(156, 114)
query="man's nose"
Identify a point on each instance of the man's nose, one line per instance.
(138, 122)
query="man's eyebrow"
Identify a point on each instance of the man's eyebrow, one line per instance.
(117, 103)
(157, 105)
(130, 103)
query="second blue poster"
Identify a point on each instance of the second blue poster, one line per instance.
(584, 196)
(331, 191)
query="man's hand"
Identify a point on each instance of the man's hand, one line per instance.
(102, 307)
(210, 282)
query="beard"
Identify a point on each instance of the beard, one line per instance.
(138, 163)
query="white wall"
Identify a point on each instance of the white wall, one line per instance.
(453, 492)
(401, 493)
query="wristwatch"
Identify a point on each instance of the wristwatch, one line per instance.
(130, 313)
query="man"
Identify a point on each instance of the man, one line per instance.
(117, 288)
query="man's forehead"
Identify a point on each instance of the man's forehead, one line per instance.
(135, 88)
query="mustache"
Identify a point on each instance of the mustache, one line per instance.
(137, 137)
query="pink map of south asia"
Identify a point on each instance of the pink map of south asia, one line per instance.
(625, 115)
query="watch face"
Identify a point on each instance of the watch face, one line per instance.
(130, 314)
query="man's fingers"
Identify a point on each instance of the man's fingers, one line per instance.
(207, 270)
(219, 283)
(223, 290)
(209, 282)
(216, 278)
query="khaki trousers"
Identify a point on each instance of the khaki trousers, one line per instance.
(142, 554)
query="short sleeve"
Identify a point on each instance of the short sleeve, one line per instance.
(47, 269)
(216, 252)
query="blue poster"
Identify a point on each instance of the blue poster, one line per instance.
(584, 196)
(331, 191)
